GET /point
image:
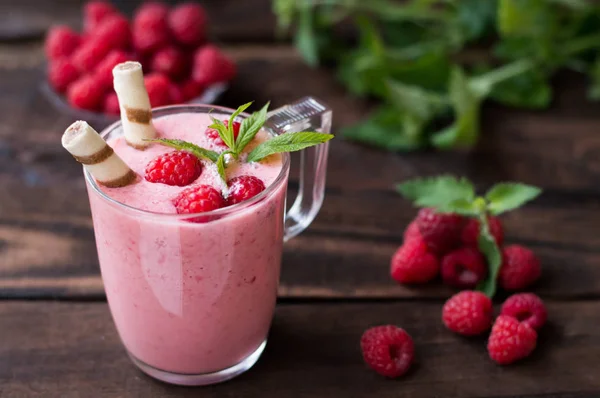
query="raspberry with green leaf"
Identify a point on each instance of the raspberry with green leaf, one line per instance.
(450, 195)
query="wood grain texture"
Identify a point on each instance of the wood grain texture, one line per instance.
(51, 349)
(46, 240)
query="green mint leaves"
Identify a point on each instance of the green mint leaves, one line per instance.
(181, 145)
(448, 194)
(249, 127)
(289, 142)
(415, 58)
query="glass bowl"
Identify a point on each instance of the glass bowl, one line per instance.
(101, 120)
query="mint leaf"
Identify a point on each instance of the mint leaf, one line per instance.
(508, 196)
(476, 18)
(221, 166)
(250, 126)
(387, 129)
(437, 191)
(463, 207)
(532, 18)
(416, 101)
(289, 142)
(489, 248)
(188, 147)
(223, 131)
(230, 132)
(529, 90)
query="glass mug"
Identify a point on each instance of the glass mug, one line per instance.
(193, 302)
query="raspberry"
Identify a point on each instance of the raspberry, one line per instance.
(243, 188)
(198, 199)
(105, 67)
(213, 134)
(61, 73)
(94, 12)
(170, 61)
(440, 231)
(468, 313)
(158, 87)
(176, 94)
(212, 66)
(174, 168)
(527, 308)
(115, 31)
(191, 89)
(61, 41)
(188, 24)
(86, 93)
(412, 263)
(388, 350)
(510, 340)
(412, 231)
(470, 233)
(150, 27)
(111, 104)
(520, 268)
(90, 54)
(463, 268)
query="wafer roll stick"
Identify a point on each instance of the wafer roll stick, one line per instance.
(136, 112)
(89, 149)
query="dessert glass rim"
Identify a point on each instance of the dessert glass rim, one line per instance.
(218, 213)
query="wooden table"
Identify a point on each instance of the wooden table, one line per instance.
(56, 335)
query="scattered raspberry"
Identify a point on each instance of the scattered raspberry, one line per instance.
(198, 199)
(412, 231)
(105, 67)
(61, 41)
(243, 188)
(115, 31)
(174, 168)
(468, 313)
(470, 233)
(440, 231)
(191, 89)
(111, 104)
(94, 12)
(412, 263)
(388, 350)
(463, 268)
(213, 134)
(150, 27)
(510, 340)
(89, 54)
(176, 94)
(527, 308)
(86, 93)
(61, 73)
(520, 268)
(188, 23)
(158, 87)
(170, 61)
(212, 66)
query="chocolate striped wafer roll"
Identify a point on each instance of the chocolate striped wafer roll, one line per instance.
(89, 149)
(136, 112)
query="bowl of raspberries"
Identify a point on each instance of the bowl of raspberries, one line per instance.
(180, 64)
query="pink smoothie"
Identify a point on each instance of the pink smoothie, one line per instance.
(189, 297)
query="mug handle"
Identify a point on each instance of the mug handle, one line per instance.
(306, 114)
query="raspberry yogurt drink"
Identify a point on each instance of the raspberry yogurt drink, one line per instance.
(190, 260)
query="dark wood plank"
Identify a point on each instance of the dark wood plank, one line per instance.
(43, 203)
(53, 349)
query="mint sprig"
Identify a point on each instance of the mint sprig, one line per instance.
(448, 194)
(249, 127)
(181, 145)
(289, 142)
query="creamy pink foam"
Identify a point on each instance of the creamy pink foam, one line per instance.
(189, 297)
(189, 127)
